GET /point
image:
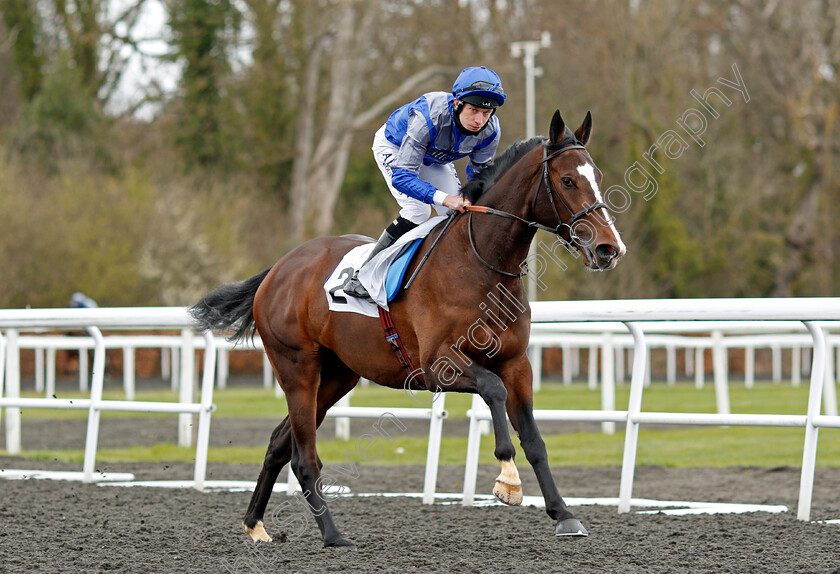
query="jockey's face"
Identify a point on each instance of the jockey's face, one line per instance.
(474, 118)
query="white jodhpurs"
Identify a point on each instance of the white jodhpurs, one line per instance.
(442, 176)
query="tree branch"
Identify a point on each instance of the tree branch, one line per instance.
(395, 96)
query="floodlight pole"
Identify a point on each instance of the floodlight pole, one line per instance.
(528, 51)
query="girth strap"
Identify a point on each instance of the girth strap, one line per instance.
(397, 347)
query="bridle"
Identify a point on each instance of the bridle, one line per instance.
(552, 192)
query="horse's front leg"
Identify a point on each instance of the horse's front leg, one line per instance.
(520, 409)
(489, 386)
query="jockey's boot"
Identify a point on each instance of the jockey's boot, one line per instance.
(354, 287)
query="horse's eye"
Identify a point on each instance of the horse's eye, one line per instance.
(568, 182)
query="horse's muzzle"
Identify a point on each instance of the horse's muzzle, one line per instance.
(606, 256)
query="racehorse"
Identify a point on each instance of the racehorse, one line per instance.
(319, 355)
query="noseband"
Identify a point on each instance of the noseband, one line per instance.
(552, 192)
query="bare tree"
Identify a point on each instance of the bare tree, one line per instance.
(323, 147)
(93, 34)
(797, 51)
(23, 27)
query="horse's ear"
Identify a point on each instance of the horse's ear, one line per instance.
(585, 130)
(557, 129)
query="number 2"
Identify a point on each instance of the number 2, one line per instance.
(347, 274)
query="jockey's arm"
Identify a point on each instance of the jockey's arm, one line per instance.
(408, 161)
(408, 182)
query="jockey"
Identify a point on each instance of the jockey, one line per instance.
(417, 145)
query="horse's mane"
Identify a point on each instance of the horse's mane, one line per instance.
(503, 162)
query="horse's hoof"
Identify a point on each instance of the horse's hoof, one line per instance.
(341, 544)
(570, 527)
(510, 494)
(257, 533)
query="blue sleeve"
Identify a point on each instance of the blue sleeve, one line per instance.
(409, 183)
(473, 168)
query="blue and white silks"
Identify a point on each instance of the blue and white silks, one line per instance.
(425, 133)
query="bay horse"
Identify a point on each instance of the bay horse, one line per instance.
(319, 355)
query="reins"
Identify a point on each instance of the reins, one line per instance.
(552, 191)
(429, 252)
(481, 209)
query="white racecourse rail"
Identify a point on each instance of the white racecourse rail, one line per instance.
(11, 321)
(634, 313)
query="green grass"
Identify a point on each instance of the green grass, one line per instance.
(682, 447)
(237, 402)
(253, 402)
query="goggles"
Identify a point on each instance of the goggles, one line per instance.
(483, 86)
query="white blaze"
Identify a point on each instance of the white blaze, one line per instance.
(587, 170)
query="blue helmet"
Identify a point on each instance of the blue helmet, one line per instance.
(480, 87)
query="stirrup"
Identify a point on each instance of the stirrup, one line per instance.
(354, 288)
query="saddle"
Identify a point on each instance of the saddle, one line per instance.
(382, 276)
(396, 271)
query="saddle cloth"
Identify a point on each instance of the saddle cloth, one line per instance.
(381, 284)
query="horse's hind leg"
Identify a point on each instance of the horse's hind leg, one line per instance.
(279, 451)
(302, 396)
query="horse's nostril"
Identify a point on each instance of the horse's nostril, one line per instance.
(606, 252)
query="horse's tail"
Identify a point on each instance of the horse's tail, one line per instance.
(229, 308)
